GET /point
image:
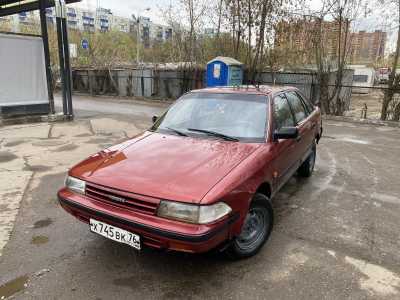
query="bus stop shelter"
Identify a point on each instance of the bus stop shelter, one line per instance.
(17, 79)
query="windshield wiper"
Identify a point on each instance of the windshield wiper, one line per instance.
(177, 131)
(216, 134)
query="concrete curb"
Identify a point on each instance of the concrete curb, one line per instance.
(362, 121)
(34, 119)
(128, 99)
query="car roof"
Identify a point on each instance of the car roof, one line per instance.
(246, 89)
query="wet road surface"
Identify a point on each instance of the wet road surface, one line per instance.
(336, 234)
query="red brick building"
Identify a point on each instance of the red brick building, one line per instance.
(367, 47)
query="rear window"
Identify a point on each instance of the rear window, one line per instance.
(360, 78)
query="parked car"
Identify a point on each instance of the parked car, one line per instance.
(383, 75)
(203, 176)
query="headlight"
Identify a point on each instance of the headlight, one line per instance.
(75, 184)
(198, 214)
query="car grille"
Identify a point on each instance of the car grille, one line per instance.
(122, 199)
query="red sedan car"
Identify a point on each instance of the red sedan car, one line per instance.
(202, 177)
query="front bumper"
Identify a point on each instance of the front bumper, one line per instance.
(155, 232)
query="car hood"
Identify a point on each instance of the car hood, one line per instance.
(164, 166)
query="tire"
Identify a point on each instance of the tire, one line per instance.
(307, 167)
(256, 229)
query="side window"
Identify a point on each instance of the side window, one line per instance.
(282, 114)
(306, 103)
(297, 106)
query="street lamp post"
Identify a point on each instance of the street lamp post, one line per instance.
(138, 39)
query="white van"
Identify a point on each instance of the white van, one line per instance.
(363, 78)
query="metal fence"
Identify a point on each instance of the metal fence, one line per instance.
(359, 101)
(146, 83)
(172, 84)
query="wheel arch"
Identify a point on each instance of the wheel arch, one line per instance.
(265, 189)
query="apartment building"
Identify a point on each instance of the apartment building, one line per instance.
(367, 47)
(100, 20)
(362, 47)
(297, 37)
(120, 24)
(18, 21)
(150, 32)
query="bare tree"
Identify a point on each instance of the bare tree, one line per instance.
(393, 83)
(343, 12)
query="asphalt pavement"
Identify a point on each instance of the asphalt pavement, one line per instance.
(336, 234)
(87, 106)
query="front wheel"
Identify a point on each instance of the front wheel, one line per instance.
(256, 229)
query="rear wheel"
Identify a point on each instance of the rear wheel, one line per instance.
(307, 168)
(256, 229)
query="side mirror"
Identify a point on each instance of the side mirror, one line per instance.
(154, 118)
(286, 133)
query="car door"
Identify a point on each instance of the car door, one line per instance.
(284, 160)
(303, 124)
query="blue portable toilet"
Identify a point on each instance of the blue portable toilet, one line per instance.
(224, 71)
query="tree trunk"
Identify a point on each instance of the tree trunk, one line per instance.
(239, 30)
(218, 48)
(260, 42)
(249, 28)
(396, 86)
(389, 92)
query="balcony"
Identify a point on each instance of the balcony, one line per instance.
(88, 20)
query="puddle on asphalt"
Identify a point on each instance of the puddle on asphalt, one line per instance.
(6, 156)
(83, 135)
(14, 143)
(97, 141)
(37, 168)
(14, 286)
(39, 240)
(68, 147)
(328, 137)
(42, 223)
(11, 194)
(49, 143)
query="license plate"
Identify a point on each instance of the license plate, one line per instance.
(115, 233)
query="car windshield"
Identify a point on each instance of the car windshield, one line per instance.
(230, 116)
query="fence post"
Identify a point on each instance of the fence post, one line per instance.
(312, 92)
(142, 84)
(364, 111)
